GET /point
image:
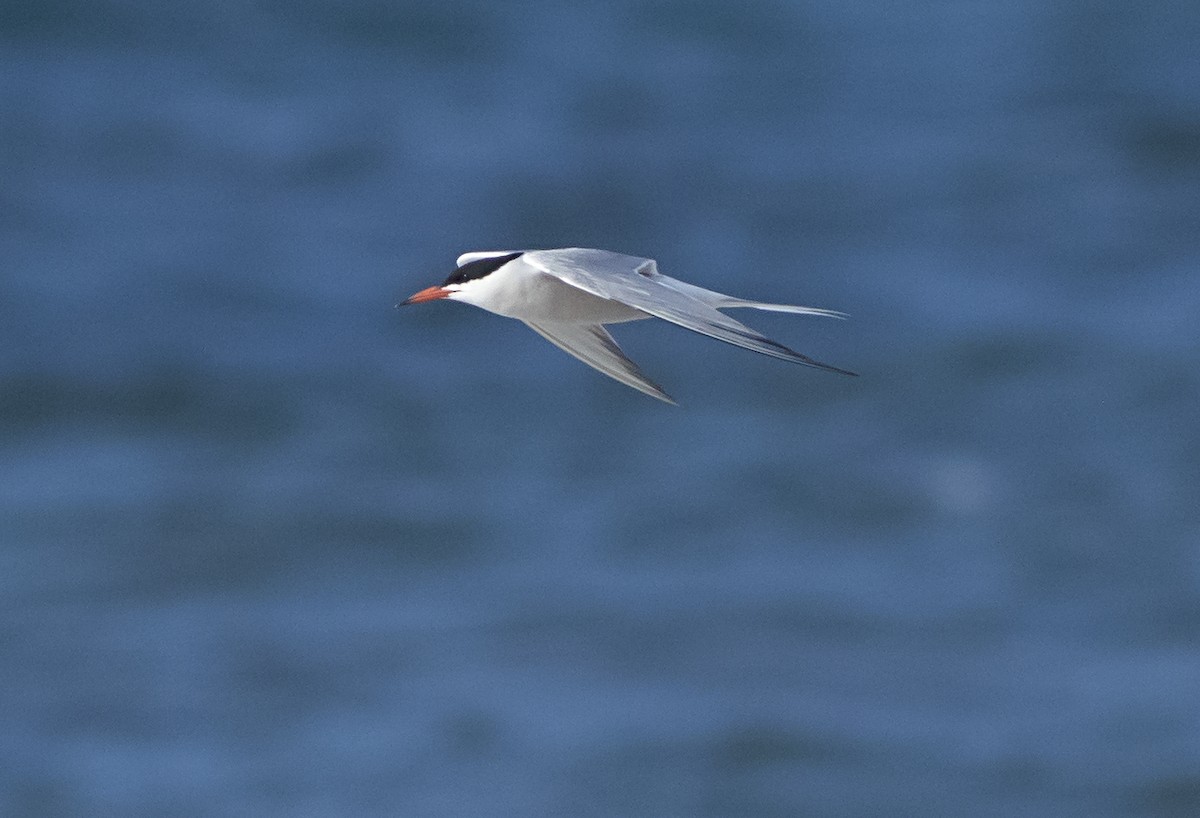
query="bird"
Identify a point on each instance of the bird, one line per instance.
(568, 295)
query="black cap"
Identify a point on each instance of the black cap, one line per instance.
(479, 268)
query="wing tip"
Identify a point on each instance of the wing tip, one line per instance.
(839, 370)
(649, 387)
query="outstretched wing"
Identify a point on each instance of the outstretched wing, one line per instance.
(637, 283)
(592, 344)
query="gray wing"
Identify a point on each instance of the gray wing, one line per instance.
(592, 344)
(636, 282)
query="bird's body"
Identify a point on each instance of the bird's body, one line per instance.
(568, 295)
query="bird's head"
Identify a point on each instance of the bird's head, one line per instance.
(471, 268)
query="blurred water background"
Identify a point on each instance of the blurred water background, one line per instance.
(269, 547)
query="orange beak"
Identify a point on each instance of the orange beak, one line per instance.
(427, 294)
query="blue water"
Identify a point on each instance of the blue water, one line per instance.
(269, 547)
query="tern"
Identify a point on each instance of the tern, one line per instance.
(568, 295)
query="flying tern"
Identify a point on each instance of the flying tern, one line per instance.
(568, 295)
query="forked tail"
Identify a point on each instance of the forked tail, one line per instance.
(721, 301)
(729, 301)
